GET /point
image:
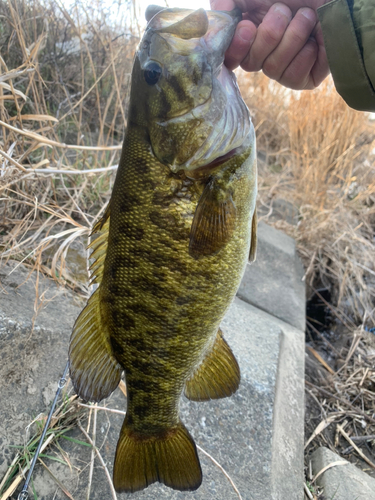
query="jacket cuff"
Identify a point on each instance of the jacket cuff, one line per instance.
(344, 56)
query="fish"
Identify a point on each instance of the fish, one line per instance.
(171, 248)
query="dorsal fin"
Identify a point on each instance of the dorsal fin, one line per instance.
(99, 247)
(94, 370)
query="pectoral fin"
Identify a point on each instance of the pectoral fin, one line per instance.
(214, 221)
(217, 377)
(254, 238)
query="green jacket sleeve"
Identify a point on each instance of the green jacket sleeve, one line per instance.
(349, 39)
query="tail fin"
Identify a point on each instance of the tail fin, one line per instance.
(170, 458)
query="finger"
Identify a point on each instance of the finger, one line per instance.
(222, 4)
(269, 34)
(243, 38)
(243, 5)
(320, 69)
(297, 75)
(294, 39)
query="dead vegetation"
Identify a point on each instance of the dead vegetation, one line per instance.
(319, 157)
(317, 183)
(64, 419)
(340, 402)
(63, 84)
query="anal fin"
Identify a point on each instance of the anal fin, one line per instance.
(217, 377)
(94, 371)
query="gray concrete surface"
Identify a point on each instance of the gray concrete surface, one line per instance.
(273, 282)
(256, 435)
(31, 359)
(341, 481)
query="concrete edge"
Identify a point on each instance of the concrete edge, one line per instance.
(288, 420)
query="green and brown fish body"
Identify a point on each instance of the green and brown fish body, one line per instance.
(173, 247)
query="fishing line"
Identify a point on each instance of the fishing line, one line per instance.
(24, 495)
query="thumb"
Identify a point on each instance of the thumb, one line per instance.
(222, 4)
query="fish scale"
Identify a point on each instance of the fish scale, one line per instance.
(176, 236)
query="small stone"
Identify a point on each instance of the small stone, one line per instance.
(31, 389)
(49, 393)
(34, 365)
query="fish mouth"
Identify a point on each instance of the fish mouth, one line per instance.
(219, 35)
(234, 124)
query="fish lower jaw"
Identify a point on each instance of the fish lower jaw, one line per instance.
(213, 161)
(230, 131)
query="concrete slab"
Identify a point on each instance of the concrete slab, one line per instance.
(273, 282)
(31, 359)
(256, 435)
(342, 481)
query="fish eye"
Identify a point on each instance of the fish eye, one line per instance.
(152, 72)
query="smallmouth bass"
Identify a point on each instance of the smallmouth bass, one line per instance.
(172, 247)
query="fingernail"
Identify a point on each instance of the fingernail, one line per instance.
(280, 8)
(245, 34)
(309, 14)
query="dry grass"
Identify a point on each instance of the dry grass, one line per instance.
(63, 84)
(64, 77)
(65, 418)
(317, 183)
(343, 418)
(319, 158)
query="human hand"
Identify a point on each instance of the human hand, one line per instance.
(285, 40)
